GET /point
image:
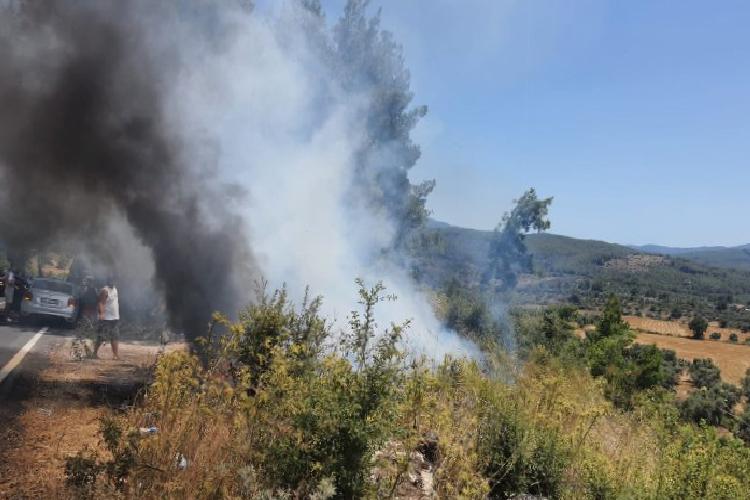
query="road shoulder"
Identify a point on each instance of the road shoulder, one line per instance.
(55, 412)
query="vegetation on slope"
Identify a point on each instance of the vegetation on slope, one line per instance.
(286, 408)
(585, 272)
(728, 257)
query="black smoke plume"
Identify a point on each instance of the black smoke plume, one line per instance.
(84, 137)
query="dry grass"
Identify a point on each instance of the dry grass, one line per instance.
(61, 416)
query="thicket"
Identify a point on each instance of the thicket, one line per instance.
(704, 373)
(713, 405)
(628, 368)
(282, 406)
(713, 401)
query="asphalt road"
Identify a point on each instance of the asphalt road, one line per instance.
(13, 338)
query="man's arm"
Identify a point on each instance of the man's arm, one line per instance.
(102, 301)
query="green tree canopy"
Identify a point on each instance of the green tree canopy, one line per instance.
(698, 326)
(508, 254)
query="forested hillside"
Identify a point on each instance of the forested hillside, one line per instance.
(737, 258)
(730, 257)
(584, 272)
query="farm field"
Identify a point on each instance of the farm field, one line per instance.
(678, 328)
(732, 359)
(648, 325)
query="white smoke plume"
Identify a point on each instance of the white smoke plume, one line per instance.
(288, 134)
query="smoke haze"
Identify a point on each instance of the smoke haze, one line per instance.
(231, 145)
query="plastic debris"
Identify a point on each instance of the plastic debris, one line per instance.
(45, 411)
(148, 430)
(182, 462)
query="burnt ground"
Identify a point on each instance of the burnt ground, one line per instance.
(51, 410)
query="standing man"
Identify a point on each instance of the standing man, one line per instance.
(109, 318)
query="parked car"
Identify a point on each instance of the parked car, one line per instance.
(50, 297)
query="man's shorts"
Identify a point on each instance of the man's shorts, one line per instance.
(109, 329)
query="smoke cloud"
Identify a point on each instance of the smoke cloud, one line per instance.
(233, 145)
(84, 138)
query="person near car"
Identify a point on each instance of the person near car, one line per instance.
(89, 300)
(20, 287)
(109, 318)
(10, 285)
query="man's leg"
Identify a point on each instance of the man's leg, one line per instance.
(98, 341)
(8, 305)
(114, 331)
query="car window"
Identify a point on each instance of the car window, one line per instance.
(53, 286)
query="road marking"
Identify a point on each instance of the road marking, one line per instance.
(18, 357)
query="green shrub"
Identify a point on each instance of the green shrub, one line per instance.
(273, 321)
(550, 328)
(733, 338)
(697, 463)
(466, 312)
(519, 457)
(339, 412)
(630, 368)
(698, 326)
(742, 427)
(715, 336)
(745, 385)
(671, 367)
(704, 373)
(712, 405)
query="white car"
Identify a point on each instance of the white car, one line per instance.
(51, 297)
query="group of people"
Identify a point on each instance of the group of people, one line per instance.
(97, 306)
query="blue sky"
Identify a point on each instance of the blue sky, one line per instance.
(633, 115)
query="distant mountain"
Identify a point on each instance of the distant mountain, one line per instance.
(665, 250)
(563, 268)
(465, 250)
(434, 224)
(726, 257)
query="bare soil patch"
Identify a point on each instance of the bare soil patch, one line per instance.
(60, 415)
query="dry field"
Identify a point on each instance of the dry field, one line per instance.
(679, 329)
(659, 327)
(58, 414)
(732, 359)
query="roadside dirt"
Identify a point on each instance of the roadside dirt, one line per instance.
(57, 414)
